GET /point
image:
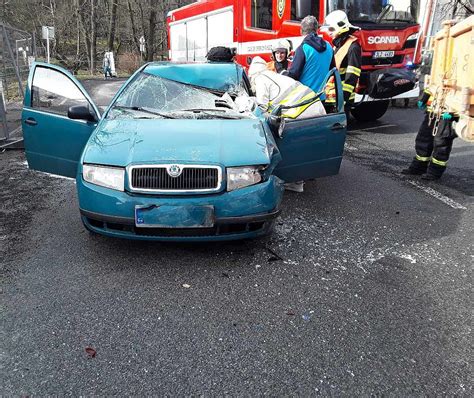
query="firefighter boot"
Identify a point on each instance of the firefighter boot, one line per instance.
(435, 171)
(416, 168)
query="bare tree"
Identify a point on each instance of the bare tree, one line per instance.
(112, 25)
(93, 53)
(456, 8)
(85, 28)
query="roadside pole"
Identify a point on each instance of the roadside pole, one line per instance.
(47, 45)
(47, 34)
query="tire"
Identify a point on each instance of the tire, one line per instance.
(370, 111)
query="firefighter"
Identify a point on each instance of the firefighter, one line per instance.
(273, 89)
(432, 151)
(313, 58)
(348, 56)
(280, 53)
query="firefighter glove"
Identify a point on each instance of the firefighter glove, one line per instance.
(421, 105)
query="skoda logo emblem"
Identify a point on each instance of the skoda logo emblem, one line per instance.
(174, 170)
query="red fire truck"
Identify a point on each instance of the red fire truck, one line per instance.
(388, 35)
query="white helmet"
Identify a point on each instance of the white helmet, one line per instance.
(282, 44)
(338, 22)
(257, 66)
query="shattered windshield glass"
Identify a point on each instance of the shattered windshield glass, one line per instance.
(151, 96)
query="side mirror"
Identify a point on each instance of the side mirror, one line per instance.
(303, 8)
(81, 112)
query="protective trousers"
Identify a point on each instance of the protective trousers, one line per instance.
(432, 153)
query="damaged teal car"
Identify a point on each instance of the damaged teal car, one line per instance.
(179, 154)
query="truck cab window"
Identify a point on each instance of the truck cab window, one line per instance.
(262, 14)
(314, 10)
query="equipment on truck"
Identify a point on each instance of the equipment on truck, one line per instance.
(388, 36)
(451, 80)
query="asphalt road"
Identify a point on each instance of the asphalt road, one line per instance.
(365, 287)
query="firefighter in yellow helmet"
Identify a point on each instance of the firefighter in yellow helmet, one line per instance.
(348, 56)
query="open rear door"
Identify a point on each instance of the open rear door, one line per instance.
(53, 141)
(313, 147)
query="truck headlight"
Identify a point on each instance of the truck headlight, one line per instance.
(240, 177)
(109, 177)
(414, 36)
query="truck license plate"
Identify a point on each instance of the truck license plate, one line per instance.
(383, 54)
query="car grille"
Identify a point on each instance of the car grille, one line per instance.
(192, 178)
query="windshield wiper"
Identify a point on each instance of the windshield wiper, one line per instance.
(395, 20)
(362, 21)
(145, 110)
(197, 110)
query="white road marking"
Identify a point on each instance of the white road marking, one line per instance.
(430, 191)
(60, 177)
(375, 127)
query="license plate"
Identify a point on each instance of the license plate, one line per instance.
(383, 54)
(174, 216)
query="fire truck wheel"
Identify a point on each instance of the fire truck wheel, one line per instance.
(370, 111)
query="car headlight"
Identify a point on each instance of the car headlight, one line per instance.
(109, 177)
(414, 36)
(240, 177)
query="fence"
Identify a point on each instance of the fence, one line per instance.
(17, 52)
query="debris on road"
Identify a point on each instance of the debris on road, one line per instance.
(91, 353)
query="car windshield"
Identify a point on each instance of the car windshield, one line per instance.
(151, 96)
(377, 11)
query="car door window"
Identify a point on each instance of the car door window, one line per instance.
(54, 92)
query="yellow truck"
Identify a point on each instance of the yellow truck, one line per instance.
(451, 80)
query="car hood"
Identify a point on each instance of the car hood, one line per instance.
(121, 142)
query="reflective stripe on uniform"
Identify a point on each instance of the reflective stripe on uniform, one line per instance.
(293, 96)
(347, 87)
(439, 162)
(342, 71)
(353, 70)
(330, 91)
(353, 95)
(422, 158)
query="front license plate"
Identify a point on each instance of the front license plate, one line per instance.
(383, 54)
(174, 216)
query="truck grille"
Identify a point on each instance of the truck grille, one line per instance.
(191, 178)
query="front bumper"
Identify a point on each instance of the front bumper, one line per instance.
(244, 213)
